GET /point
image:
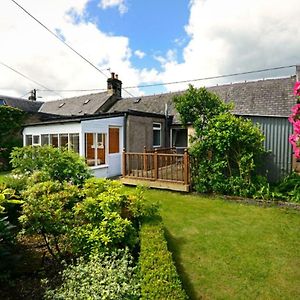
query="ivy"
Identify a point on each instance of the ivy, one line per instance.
(11, 120)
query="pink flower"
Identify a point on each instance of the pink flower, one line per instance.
(297, 88)
(296, 125)
(297, 152)
(296, 108)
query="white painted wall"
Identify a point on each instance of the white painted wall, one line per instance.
(114, 161)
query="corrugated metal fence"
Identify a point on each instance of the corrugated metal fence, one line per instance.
(276, 131)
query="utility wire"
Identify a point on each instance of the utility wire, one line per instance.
(66, 44)
(211, 77)
(185, 81)
(28, 78)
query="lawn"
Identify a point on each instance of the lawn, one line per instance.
(225, 250)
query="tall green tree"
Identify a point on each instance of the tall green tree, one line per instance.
(198, 106)
(226, 149)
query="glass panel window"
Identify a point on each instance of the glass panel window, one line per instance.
(74, 142)
(114, 140)
(28, 140)
(35, 140)
(100, 149)
(44, 139)
(156, 134)
(179, 137)
(95, 149)
(54, 140)
(63, 140)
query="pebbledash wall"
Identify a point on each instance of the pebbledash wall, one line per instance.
(113, 164)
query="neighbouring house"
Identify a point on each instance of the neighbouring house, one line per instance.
(99, 125)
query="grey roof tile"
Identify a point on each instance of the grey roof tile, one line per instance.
(271, 97)
(22, 104)
(82, 105)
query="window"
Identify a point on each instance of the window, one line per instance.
(2, 102)
(156, 134)
(28, 140)
(44, 139)
(114, 140)
(179, 137)
(63, 140)
(35, 140)
(54, 140)
(95, 149)
(74, 142)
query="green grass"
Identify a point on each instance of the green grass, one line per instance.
(225, 250)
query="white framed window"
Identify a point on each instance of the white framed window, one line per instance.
(95, 148)
(28, 140)
(156, 134)
(44, 139)
(35, 140)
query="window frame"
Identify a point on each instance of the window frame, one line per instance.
(156, 129)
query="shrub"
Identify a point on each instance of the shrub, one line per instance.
(7, 240)
(104, 276)
(225, 158)
(47, 210)
(107, 217)
(158, 275)
(59, 164)
(289, 187)
(100, 216)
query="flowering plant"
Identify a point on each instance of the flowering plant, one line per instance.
(294, 119)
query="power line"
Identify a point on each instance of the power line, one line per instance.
(66, 44)
(25, 76)
(185, 81)
(211, 77)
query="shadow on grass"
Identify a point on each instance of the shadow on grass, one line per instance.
(174, 247)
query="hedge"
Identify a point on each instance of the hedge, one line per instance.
(159, 278)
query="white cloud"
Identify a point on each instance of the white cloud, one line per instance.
(30, 49)
(234, 36)
(140, 54)
(120, 4)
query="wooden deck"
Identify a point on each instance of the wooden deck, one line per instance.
(156, 169)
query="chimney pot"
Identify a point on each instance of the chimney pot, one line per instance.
(117, 76)
(112, 75)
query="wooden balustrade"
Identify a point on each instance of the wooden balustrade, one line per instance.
(157, 166)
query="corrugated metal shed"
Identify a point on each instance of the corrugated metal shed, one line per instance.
(276, 131)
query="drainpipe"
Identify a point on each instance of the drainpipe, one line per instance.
(125, 131)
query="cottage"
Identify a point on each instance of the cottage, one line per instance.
(98, 126)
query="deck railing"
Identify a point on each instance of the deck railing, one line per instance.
(170, 167)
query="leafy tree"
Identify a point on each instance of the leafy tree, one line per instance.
(225, 149)
(198, 106)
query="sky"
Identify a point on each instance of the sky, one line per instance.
(144, 42)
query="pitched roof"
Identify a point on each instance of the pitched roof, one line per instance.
(152, 104)
(82, 105)
(272, 97)
(22, 104)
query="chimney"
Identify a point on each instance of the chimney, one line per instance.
(32, 96)
(114, 85)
